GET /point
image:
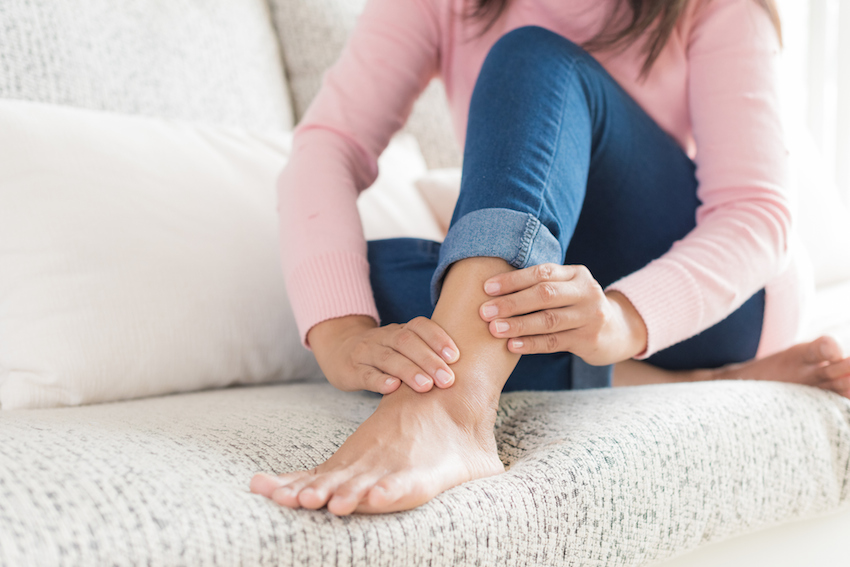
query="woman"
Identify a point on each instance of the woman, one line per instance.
(627, 203)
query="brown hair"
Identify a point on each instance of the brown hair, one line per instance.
(657, 17)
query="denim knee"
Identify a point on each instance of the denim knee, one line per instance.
(519, 45)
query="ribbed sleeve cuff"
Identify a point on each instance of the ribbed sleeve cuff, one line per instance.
(328, 286)
(668, 299)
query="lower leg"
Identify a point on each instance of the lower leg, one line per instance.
(417, 445)
(819, 363)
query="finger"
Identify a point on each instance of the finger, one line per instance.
(410, 344)
(540, 323)
(391, 362)
(539, 296)
(510, 282)
(436, 338)
(376, 381)
(541, 344)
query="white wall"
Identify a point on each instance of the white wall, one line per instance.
(816, 78)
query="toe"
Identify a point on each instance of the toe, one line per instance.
(399, 491)
(823, 349)
(287, 495)
(348, 496)
(840, 385)
(265, 484)
(838, 370)
(317, 493)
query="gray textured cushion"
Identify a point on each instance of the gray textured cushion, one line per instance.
(205, 60)
(313, 33)
(597, 478)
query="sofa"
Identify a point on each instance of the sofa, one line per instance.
(126, 441)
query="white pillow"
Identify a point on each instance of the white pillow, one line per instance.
(139, 257)
(393, 207)
(441, 188)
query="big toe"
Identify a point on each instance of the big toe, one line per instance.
(395, 492)
(823, 349)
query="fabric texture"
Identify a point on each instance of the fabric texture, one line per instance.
(214, 61)
(312, 36)
(599, 478)
(716, 77)
(147, 249)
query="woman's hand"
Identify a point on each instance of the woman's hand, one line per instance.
(553, 308)
(356, 354)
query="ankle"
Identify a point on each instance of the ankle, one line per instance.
(471, 409)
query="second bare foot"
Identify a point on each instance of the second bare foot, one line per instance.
(820, 363)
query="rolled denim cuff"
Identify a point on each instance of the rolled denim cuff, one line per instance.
(518, 238)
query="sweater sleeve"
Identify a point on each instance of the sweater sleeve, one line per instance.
(365, 97)
(740, 241)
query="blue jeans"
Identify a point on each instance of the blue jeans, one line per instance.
(561, 165)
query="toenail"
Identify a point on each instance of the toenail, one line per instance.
(443, 377)
(502, 326)
(421, 380)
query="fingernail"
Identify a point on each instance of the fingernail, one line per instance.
(443, 377)
(390, 382)
(492, 288)
(502, 326)
(516, 343)
(490, 310)
(421, 380)
(449, 354)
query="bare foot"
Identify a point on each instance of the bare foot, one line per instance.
(412, 448)
(820, 363)
(417, 445)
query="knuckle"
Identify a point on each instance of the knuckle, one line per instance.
(547, 293)
(505, 306)
(543, 272)
(403, 337)
(517, 325)
(551, 342)
(550, 320)
(598, 314)
(384, 355)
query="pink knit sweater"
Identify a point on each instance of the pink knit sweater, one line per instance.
(712, 88)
